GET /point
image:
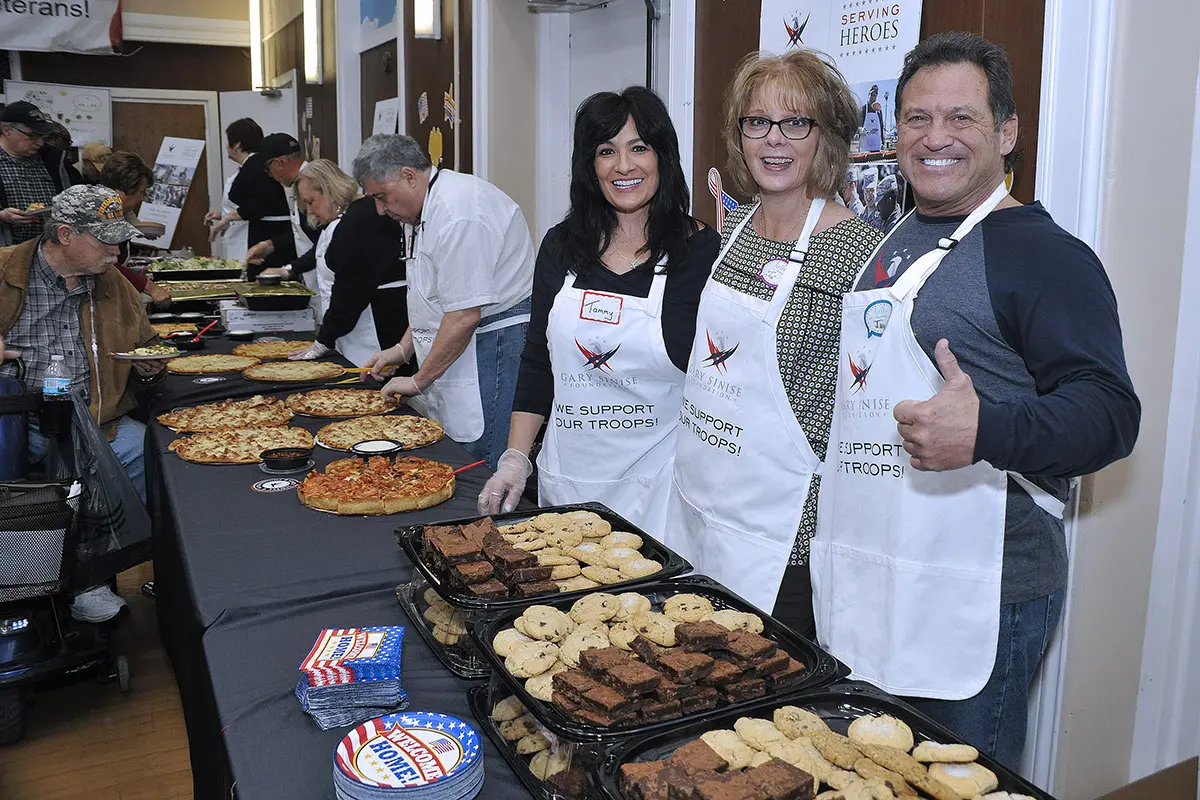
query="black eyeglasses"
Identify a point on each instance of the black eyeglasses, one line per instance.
(35, 137)
(795, 128)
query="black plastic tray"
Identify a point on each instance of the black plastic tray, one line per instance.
(823, 668)
(412, 538)
(839, 705)
(465, 667)
(275, 302)
(168, 275)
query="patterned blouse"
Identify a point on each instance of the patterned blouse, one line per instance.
(807, 335)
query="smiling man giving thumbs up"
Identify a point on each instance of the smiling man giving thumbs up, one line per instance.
(982, 369)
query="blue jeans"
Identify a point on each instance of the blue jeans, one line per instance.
(129, 445)
(498, 357)
(994, 720)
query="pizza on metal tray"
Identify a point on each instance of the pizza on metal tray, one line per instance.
(378, 485)
(239, 446)
(269, 350)
(409, 430)
(281, 371)
(197, 365)
(340, 403)
(253, 412)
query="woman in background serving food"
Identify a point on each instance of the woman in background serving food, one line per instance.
(759, 396)
(360, 267)
(616, 286)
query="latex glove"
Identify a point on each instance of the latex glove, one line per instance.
(384, 362)
(259, 251)
(217, 229)
(503, 490)
(314, 350)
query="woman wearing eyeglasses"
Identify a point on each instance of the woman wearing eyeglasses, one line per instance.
(759, 394)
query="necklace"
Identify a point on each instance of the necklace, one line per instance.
(612, 248)
(792, 235)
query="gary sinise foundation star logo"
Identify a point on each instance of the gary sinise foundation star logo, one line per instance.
(717, 354)
(859, 372)
(795, 29)
(596, 359)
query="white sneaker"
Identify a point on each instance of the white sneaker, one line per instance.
(98, 604)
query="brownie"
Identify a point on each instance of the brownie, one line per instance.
(634, 771)
(685, 667)
(656, 785)
(703, 700)
(696, 637)
(659, 710)
(647, 650)
(772, 664)
(564, 703)
(682, 786)
(696, 756)
(749, 647)
(574, 684)
(779, 780)
(723, 672)
(683, 690)
(606, 700)
(478, 531)
(592, 717)
(489, 589)
(510, 558)
(472, 572)
(599, 659)
(793, 672)
(631, 677)
(744, 689)
(728, 787)
(571, 783)
(534, 588)
(536, 572)
(667, 690)
(452, 548)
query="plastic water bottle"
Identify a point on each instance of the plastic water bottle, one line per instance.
(56, 383)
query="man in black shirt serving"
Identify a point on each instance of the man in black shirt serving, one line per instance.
(982, 369)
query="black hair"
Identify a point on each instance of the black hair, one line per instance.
(245, 133)
(958, 47)
(591, 221)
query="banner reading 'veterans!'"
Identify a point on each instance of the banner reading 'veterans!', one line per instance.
(73, 26)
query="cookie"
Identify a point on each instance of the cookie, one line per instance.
(869, 770)
(622, 539)
(515, 527)
(589, 524)
(966, 779)
(758, 733)
(432, 598)
(589, 553)
(622, 635)
(616, 556)
(795, 722)
(577, 642)
(885, 729)
(530, 546)
(446, 636)
(563, 538)
(655, 627)
(546, 623)
(896, 760)
(519, 626)
(507, 640)
(545, 763)
(836, 748)
(531, 658)
(880, 790)
(737, 620)
(514, 729)
(546, 522)
(541, 686)
(729, 746)
(853, 790)
(640, 568)
(533, 743)
(687, 607)
(758, 759)
(945, 753)
(597, 607)
(579, 582)
(554, 559)
(507, 709)
(603, 575)
(564, 571)
(632, 604)
(935, 788)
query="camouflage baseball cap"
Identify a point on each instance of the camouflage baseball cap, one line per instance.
(94, 209)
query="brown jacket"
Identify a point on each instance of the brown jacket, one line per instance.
(121, 325)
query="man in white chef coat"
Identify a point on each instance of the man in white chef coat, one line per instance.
(470, 276)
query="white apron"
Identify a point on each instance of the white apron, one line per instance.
(871, 139)
(303, 243)
(234, 240)
(611, 435)
(905, 564)
(743, 465)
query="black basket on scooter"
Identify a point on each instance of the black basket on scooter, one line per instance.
(37, 522)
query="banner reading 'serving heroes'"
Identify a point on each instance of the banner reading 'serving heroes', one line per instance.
(74, 26)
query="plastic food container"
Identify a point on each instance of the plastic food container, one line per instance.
(456, 651)
(286, 458)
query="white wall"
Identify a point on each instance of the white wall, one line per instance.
(608, 49)
(512, 104)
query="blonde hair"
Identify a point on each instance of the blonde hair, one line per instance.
(805, 82)
(328, 180)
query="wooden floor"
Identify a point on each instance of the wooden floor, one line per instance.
(90, 741)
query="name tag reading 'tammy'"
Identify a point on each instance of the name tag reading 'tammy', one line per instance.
(601, 307)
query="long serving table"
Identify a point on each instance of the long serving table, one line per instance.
(245, 578)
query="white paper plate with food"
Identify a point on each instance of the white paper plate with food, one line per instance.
(156, 352)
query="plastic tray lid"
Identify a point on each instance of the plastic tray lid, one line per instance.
(409, 751)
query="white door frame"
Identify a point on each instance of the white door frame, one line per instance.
(212, 126)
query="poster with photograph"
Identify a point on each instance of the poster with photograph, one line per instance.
(86, 111)
(174, 170)
(875, 193)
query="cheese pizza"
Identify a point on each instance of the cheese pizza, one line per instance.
(409, 430)
(269, 350)
(197, 365)
(340, 403)
(298, 371)
(163, 328)
(253, 412)
(240, 446)
(378, 485)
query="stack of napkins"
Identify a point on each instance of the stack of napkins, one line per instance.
(411, 755)
(352, 675)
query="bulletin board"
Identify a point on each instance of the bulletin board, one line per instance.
(86, 111)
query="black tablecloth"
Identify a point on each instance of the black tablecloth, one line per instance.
(275, 750)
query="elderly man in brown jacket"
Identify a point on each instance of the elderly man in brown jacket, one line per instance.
(61, 295)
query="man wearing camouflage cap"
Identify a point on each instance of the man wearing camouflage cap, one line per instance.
(61, 296)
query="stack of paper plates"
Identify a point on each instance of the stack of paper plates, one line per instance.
(420, 755)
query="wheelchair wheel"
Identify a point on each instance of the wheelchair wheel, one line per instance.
(123, 678)
(12, 715)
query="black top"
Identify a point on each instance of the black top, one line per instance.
(681, 298)
(256, 195)
(366, 252)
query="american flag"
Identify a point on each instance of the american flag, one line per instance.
(725, 203)
(442, 746)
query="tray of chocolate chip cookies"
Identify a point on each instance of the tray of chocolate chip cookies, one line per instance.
(847, 741)
(504, 560)
(608, 665)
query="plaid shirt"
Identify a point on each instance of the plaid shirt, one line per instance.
(49, 326)
(25, 181)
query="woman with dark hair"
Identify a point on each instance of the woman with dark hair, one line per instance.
(616, 287)
(253, 205)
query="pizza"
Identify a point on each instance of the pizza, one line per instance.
(378, 485)
(409, 430)
(341, 403)
(292, 371)
(240, 446)
(253, 412)
(163, 328)
(268, 350)
(197, 365)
